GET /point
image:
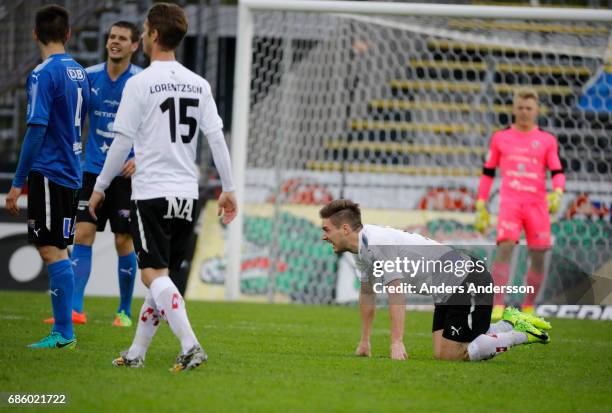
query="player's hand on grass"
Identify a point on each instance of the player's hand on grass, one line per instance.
(95, 201)
(228, 207)
(554, 200)
(481, 223)
(129, 168)
(398, 351)
(10, 203)
(363, 349)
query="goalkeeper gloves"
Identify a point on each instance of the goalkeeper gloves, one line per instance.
(482, 216)
(554, 200)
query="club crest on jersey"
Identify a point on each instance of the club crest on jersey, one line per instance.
(75, 73)
(535, 144)
(180, 208)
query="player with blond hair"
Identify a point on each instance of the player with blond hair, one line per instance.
(523, 152)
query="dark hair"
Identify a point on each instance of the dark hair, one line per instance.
(170, 22)
(128, 25)
(52, 24)
(342, 211)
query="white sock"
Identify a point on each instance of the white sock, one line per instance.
(487, 346)
(171, 305)
(501, 326)
(148, 321)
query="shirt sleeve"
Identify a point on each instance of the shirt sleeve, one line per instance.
(493, 156)
(364, 268)
(40, 91)
(552, 157)
(119, 150)
(556, 168)
(32, 143)
(129, 114)
(383, 259)
(221, 157)
(211, 121)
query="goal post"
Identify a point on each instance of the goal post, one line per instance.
(311, 113)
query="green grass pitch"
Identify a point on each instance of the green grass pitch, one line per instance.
(292, 358)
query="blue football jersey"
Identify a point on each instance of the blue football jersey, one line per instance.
(103, 105)
(58, 95)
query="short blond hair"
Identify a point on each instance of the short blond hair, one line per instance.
(526, 93)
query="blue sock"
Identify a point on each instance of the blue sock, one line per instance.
(61, 284)
(127, 276)
(81, 259)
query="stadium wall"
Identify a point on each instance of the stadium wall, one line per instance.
(22, 268)
(306, 270)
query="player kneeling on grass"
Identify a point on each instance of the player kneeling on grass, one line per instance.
(162, 109)
(461, 323)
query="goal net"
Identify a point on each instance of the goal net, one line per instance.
(395, 111)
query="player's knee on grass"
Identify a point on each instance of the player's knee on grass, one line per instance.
(451, 350)
(436, 337)
(85, 233)
(51, 254)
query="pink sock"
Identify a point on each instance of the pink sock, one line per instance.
(534, 279)
(500, 272)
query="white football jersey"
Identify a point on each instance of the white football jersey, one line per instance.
(391, 243)
(378, 243)
(162, 109)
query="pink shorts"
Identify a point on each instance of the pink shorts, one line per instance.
(533, 216)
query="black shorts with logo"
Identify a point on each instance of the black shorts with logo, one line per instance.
(162, 228)
(463, 317)
(51, 212)
(115, 208)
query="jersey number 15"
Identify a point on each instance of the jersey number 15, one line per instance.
(184, 103)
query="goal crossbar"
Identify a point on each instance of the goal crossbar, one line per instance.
(242, 76)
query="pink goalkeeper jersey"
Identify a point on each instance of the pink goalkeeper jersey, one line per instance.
(523, 158)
